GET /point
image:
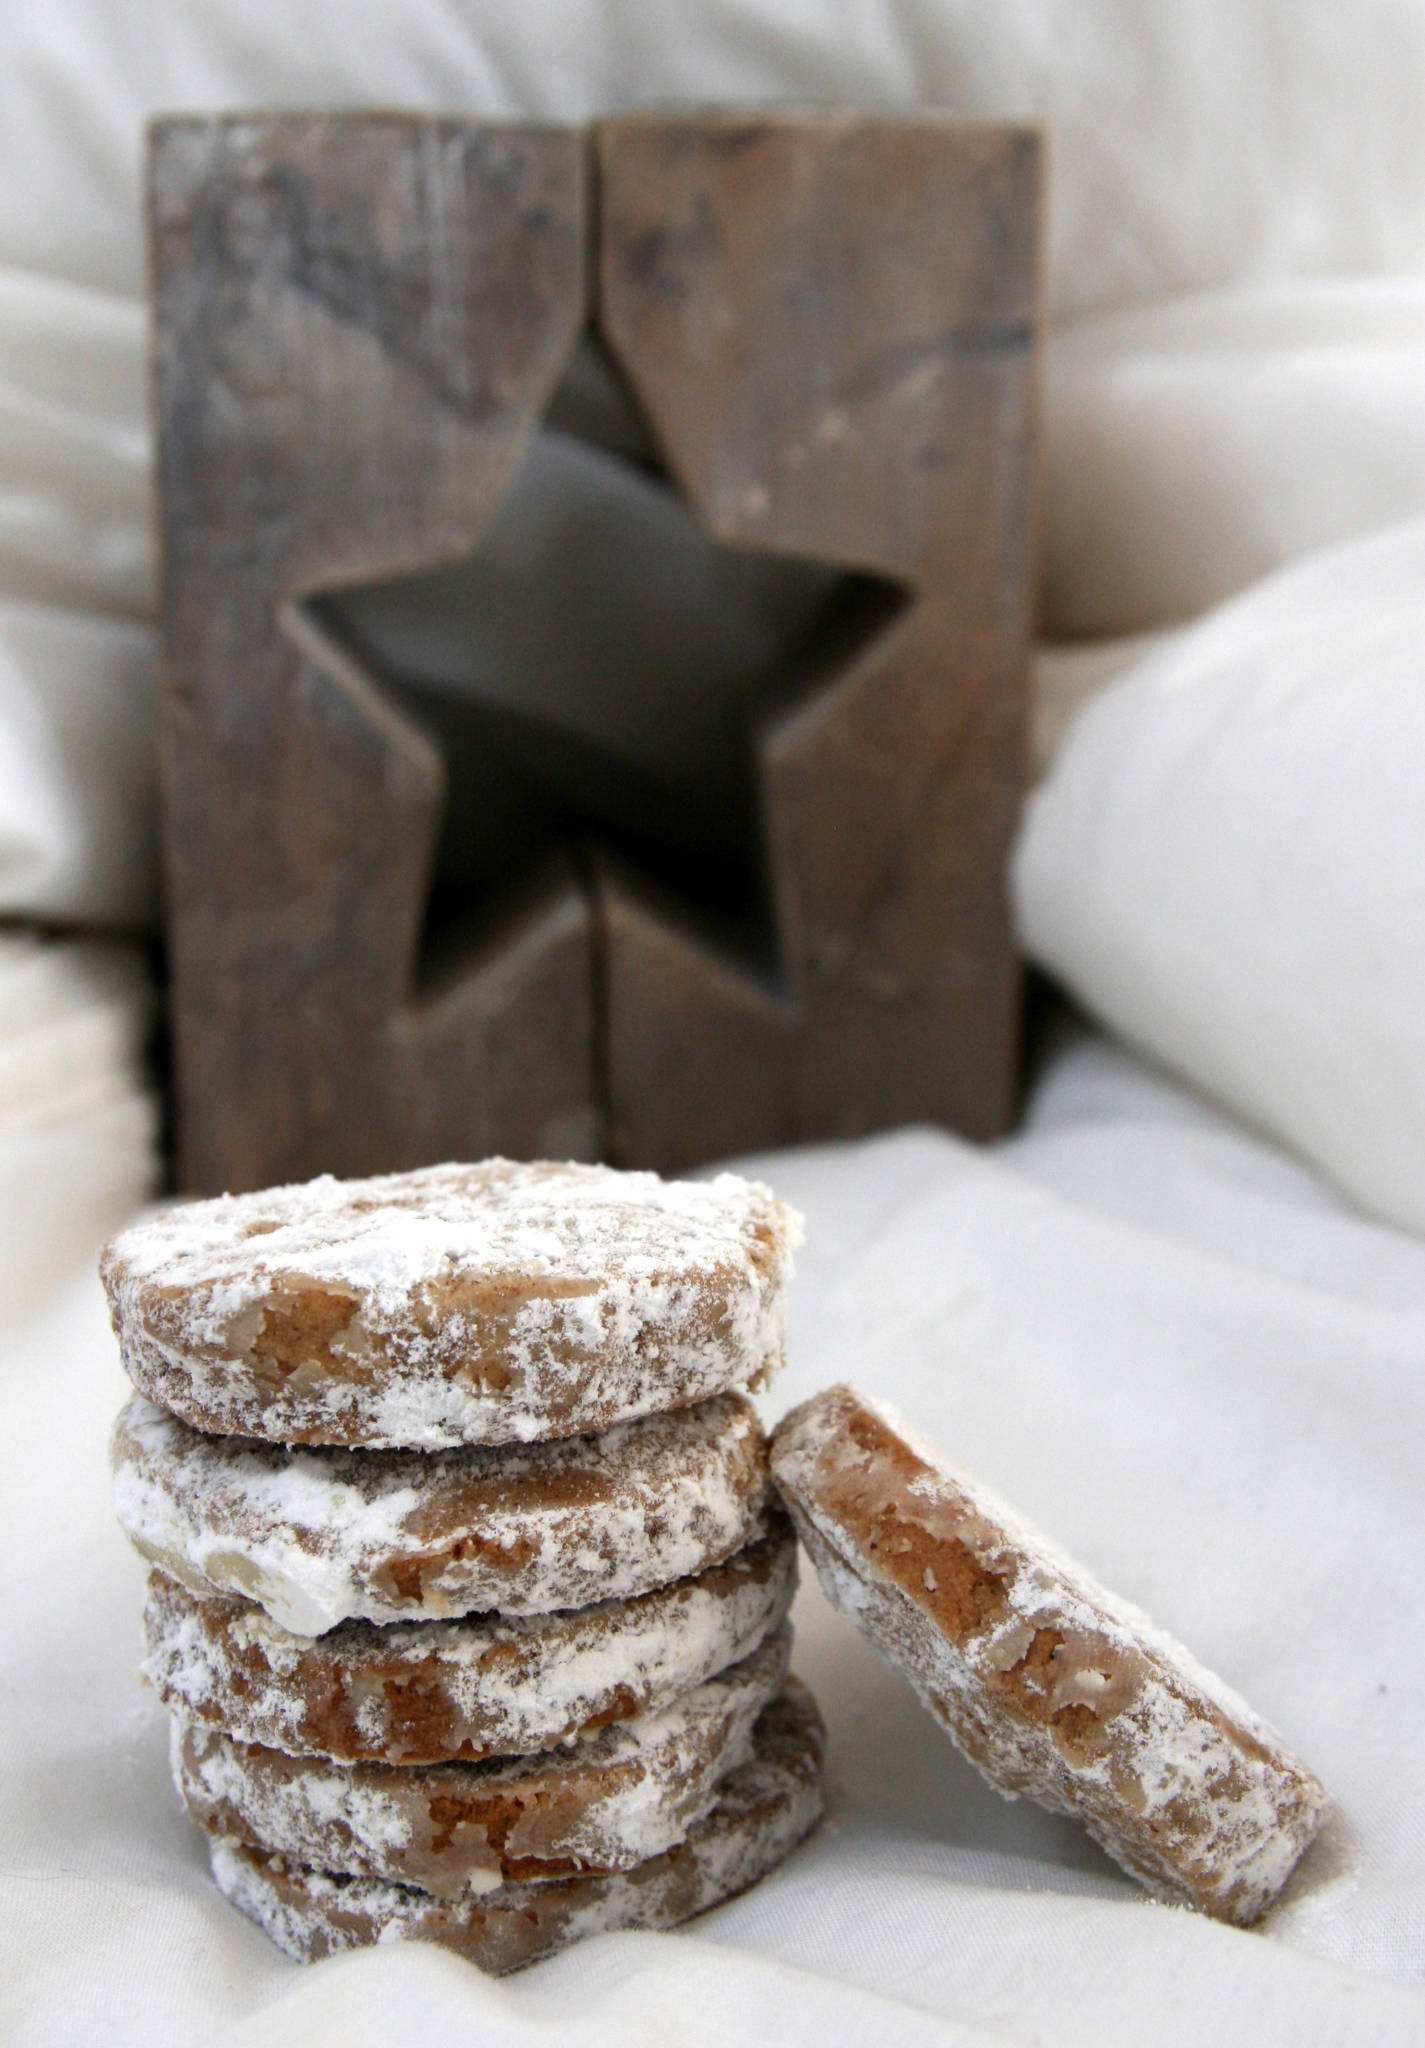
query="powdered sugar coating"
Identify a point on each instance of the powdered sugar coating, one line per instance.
(1052, 1686)
(622, 1795)
(489, 1303)
(765, 1809)
(487, 1685)
(319, 1534)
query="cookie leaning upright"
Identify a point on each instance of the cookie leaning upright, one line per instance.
(1052, 1686)
(455, 1305)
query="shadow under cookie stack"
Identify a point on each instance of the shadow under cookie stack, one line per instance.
(469, 1586)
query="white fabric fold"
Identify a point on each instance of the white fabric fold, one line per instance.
(1159, 1336)
(1227, 863)
(1237, 243)
(1194, 444)
(78, 781)
(76, 519)
(77, 576)
(1194, 145)
(78, 1113)
(1063, 678)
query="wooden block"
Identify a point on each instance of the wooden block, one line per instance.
(830, 324)
(358, 321)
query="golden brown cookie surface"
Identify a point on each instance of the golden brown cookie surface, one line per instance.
(628, 1792)
(764, 1810)
(317, 1535)
(490, 1303)
(1052, 1686)
(485, 1685)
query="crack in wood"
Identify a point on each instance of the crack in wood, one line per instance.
(359, 323)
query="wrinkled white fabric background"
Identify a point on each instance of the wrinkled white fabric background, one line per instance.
(1237, 285)
(78, 1118)
(1158, 1334)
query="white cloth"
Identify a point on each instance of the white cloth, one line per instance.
(76, 522)
(1227, 862)
(1157, 1335)
(78, 781)
(78, 1116)
(1237, 247)
(77, 574)
(1193, 444)
(1194, 145)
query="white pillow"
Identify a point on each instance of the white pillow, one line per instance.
(1227, 863)
(1194, 444)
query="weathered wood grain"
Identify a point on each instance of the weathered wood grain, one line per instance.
(358, 321)
(830, 323)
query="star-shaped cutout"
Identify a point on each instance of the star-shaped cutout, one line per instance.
(595, 672)
(776, 709)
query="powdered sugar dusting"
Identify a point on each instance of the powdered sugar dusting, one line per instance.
(766, 1807)
(1053, 1687)
(485, 1685)
(318, 1535)
(458, 1304)
(1047, 1575)
(621, 1795)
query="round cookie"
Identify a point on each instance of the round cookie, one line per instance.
(1053, 1687)
(488, 1685)
(624, 1794)
(320, 1534)
(765, 1809)
(491, 1303)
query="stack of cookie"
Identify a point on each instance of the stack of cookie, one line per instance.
(469, 1592)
